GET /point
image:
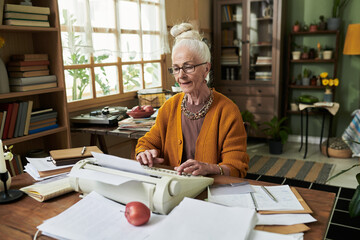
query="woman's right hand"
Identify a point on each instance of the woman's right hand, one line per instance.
(149, 157)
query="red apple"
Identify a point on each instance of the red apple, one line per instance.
(137, 213)
(137, 109)
(148, 108)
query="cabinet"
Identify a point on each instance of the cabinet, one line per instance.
(316, 65)
(247, 54)
(26, 40)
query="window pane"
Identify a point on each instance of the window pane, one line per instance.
(152, 75)
(106, 81)
(78, 85)
(151, 47)
(102, 14)
(132, 77)
(72, 53)
(150, 17)
(71, 8)
(105, 47)
(130, 47)
(129, 15)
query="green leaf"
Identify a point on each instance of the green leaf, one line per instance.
(354, 206)
(343, 171)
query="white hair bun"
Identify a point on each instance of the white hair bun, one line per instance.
(185, 31)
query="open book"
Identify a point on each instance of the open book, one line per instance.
(44, 191)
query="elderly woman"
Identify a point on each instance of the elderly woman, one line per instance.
(198, 131)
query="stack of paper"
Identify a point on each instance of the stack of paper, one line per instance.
(276, 205)
(43, 168)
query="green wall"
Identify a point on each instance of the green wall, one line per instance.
(348, 92)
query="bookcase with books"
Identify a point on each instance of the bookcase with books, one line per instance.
(247, 55)
(33, 115)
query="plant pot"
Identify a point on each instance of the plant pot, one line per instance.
(322, 26)
(333, 23)
(294, 107)
(313, 28)
(275, 147)
(304, 55)
(296, 28)
(306, 81)
(327, 54)
(296, 55)
(328, 95)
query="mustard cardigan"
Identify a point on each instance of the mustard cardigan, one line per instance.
(222, 138)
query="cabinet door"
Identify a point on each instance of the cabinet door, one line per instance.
(228, 43)
(259, 36)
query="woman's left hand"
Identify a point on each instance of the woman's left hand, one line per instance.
(195, 167)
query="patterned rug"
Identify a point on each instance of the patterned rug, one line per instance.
(290, 168)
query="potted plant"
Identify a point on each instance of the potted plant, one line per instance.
(333, 23)
(296, 27)
(294, 105)
(306, 77)
(327, 53)
(313, 27)
(278, 134)
(322, 23)
(249, 120)
(305, 53)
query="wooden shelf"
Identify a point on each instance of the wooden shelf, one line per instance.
(12, 141)
(30, 93)
(8, 28)
(315, 33)
(313, 61)
(306, 87)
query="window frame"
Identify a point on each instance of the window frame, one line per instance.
(117, 98)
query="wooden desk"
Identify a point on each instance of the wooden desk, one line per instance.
(19, 220)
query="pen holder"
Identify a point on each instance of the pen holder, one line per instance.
(8, 195)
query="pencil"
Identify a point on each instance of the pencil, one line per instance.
(269, 193)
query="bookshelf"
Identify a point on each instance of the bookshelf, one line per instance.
(44, 40)
(247, 55)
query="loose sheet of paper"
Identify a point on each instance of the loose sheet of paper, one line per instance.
(108, 178)
(35, 174)
(196, 219)
(284, 219)
(119, 163)
(96, 217)
(261, 235)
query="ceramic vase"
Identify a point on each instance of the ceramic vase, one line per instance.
(4, 80)
(333, 23)
(328, 95)
(296, 55)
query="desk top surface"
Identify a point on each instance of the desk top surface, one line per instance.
(19, 220)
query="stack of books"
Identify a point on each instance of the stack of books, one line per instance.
(262, 60)
(15, 119)
(42, 120)
(229, 56)
(23, 15)
(15, 165)
(263, 76)
(30, 72)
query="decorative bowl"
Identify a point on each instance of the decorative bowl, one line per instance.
(140, 114)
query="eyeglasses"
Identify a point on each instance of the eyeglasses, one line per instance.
(185, 68)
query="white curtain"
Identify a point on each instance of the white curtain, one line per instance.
(91, 26)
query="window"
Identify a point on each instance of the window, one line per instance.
(112, 48)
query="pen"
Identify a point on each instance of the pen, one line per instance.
(83, 150)
(269, 193)
(254, 201)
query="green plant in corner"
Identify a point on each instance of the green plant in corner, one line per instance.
(338, 4)
(249, 118)
(277, 130)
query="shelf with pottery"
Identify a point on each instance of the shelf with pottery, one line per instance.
(318, 58)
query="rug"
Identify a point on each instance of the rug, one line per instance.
(290, 168)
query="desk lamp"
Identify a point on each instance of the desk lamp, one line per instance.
(8, 195)
(352, 46)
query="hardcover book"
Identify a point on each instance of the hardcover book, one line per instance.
(28, 116)
(29, 74)
(9, 108)
(24, 88)
(27, 9)
(43, 129)
(27, 68)
(30, 57)
(3, 119)
(28, 63)
(26, 16)
(13, 120)
(30, 23)
(32, 80)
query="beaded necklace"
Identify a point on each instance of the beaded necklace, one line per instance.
(202, 112)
